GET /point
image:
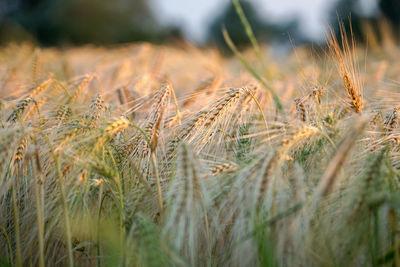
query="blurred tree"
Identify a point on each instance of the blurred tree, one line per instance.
(263, 30)
(348, 12)
(391, 10)
(53, 22)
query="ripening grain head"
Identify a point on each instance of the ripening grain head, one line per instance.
(344, 53)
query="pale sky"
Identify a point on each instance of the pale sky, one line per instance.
(194, 16)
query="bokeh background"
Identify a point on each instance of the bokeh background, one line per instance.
(106, 22)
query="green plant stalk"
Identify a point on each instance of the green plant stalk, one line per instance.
(393, 215)
(178, 113)
(67, 224)
(208, 237)
(247, 27)
(16, 227)
(252, 71)
(394, 221)
(100, 201)
(266, 223)
(66, 220)
(140, 176)
(273, 219)
(261, 111)
(377, 242)
(39, 218)
(159, 192)
(4, 232)
(121, 209)
(39, 202)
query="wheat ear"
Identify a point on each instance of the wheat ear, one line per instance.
(347, 68)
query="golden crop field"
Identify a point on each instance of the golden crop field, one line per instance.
(146, 155)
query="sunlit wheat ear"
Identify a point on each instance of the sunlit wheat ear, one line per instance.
(80, 87)
(97, 108)
(317, 94)
(36, 65)
(9, 139)
(116, 126)
(307, 107)
(220, 114)
(40, 88)
(378, 117)
(20, 152)
(240, 111)
(113, 127)
(223, 168)
(155, 120)
(20, 109)
(301, 109)
(186, 131)
(222, 105)
(392, 121)
(62, 114)
(348, 69)
(157, 115)
(186, 223)
(330, 177)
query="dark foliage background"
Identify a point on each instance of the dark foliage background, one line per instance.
(74, 22)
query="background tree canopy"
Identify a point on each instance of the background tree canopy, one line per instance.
(348, 12)
(53, 22)
(58, 22)
(263, 30)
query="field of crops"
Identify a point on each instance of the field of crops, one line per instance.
(144, 155)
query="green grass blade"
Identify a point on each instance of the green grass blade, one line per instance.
(247, 27)
(252, 71)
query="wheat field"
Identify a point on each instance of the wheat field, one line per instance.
(145, 155)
